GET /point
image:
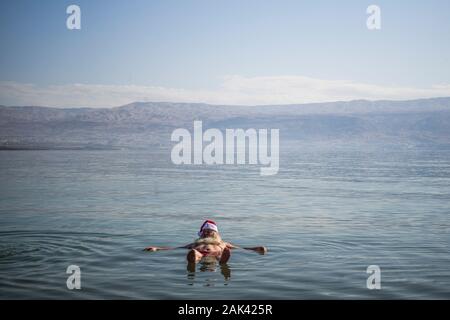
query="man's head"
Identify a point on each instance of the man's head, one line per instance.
(208, 229)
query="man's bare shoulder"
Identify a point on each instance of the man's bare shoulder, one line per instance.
(229, 245)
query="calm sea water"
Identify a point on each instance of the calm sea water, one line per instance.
(330, 213)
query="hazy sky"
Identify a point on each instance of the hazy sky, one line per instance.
(232, 52)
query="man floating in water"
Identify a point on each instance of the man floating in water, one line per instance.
(209, 244)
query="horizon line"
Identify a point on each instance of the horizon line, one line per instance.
(229, 105)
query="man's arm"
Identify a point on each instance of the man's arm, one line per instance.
(152, 248)
(260, 250)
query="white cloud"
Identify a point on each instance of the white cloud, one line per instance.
(233, 90)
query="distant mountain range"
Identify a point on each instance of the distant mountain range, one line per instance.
(144, 124)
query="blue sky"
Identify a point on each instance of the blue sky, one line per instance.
(243, 52)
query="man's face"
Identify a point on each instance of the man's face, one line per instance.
(207, 233)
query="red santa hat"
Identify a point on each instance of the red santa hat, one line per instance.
(208, 224)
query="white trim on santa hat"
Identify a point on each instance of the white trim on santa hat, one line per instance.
(208, 225)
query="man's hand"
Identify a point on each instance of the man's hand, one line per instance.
(261, 250)
(151, 249)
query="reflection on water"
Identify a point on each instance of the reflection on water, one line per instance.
(329, 213)
(208, 264)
